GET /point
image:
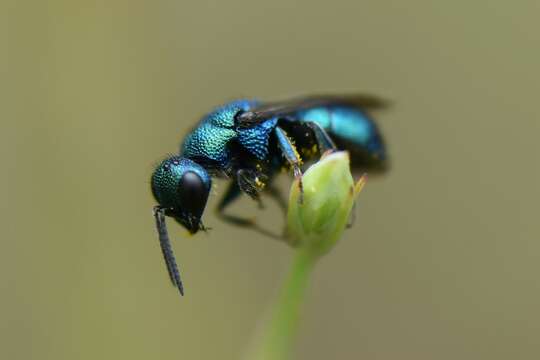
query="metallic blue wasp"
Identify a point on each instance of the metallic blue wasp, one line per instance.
(249, 142)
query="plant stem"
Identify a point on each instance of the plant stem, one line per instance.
(279, 333)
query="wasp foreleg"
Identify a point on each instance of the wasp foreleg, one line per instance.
(291, 155)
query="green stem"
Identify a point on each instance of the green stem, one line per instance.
(279, 333)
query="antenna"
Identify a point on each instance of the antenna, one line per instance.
(166, 249)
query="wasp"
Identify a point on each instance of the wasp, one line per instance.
(249, 142)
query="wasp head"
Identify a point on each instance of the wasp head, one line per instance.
(181, 187)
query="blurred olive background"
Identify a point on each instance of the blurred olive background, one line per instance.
(442, 262)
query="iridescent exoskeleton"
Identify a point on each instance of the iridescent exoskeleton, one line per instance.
(248, 142)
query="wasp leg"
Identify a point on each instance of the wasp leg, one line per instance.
(324, 141)
(252, 183)
(326, 144)
(233, 192)
(291, 155)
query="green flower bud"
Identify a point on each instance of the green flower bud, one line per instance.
(316, 220)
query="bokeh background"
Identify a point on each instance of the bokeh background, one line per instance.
(441, 264)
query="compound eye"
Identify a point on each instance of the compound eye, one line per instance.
(192, 194)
